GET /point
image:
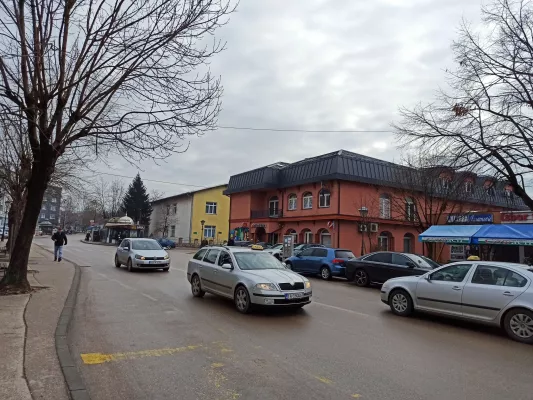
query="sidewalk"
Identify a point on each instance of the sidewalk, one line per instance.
(29, 366)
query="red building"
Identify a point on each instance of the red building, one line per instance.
(347, 200)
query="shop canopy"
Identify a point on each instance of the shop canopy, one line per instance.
(512, 234)
(451, 234)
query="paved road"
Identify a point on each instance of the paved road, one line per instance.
(143, 336)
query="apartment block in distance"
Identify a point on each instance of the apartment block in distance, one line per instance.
(50, 216)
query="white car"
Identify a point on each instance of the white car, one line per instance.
(487, 292)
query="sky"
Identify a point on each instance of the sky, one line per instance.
(313, 65)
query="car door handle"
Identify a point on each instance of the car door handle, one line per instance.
(508, 294)
(456, 288)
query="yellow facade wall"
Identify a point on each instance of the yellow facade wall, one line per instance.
(220, 220)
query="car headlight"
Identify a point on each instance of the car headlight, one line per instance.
(266, 286)
(166, 257)
(138, 257)
(307, 285)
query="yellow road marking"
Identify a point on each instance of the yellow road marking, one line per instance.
(217, 365)
(100, 358)
(324, 380)
(356, 396)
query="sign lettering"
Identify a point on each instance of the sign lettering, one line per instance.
(470, 219)
(517, 218)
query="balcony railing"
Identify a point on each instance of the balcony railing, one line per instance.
(270, 213)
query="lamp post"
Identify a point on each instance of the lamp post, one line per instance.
(363, 212)
(202, 222)
(7, 203)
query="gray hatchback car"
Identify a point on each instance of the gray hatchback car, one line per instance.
(487, 292)
(248, 277)
(141, 253)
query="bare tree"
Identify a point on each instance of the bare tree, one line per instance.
(116, 195)
(110, 76)
(485, 120)
(166, 216)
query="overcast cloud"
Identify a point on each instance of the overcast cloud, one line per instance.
(315, 64)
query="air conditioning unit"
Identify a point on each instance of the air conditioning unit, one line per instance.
(363, 228)
(374, 227)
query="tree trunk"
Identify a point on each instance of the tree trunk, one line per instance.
(15, 279)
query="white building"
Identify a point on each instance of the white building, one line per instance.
(171, 217)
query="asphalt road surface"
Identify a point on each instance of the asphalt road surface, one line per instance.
(142, 335)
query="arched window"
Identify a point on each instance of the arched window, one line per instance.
(273, 206)
(294, 235)
(307, 201)
(410, 210)
(408, 243)
(325, 237)
(324, 198)
(384, 206)
(291, 203)
(384, 241)
(307, 236)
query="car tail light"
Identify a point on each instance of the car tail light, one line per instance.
(338, 261)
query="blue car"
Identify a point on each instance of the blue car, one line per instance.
(323, 261)
(164, 242)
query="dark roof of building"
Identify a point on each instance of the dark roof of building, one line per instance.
(348, 166)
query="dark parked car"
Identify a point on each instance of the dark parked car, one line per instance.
(322, 261)
(381, 266)
(166, 243)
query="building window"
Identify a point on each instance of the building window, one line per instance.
(292, 202)
(308, 237)
(384, 206)
(408, 241)
(307, 200)
(175, 208)
(325, 238)
(273, 206)
(383, 241)
(52, 208)
(209, 231)
(409, 210)
(52, 216)
(43, 207)
(54, 200)
(324, 198)
(490, 191)
(172, 230)
(445, 183)
(43, 216)
(469, 187)
(210, 207)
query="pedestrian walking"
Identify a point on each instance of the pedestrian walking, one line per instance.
(60, 240)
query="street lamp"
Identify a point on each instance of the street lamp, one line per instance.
(7, 203)
(202, 222)
(363, 212)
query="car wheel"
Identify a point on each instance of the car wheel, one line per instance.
(401, 303)
(242, 300)
(196, 287)
(166, 269)
(289, 265)
(361, 278)
(518, 324)
(130, 265)
(117, 263)
(325, 273)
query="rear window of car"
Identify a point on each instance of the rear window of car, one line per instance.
(344, 254)
(200, 254)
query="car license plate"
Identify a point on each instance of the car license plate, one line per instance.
(156, 262)
(290, 296)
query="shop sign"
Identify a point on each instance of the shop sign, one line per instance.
(470, 219)
(457, 240)
(258, 225)
(517, 218)
(510, 242)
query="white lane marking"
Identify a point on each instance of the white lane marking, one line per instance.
(340, 309)
(149, 297)
(102, 275)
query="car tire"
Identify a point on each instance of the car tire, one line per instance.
(130, 265)
(166, 269)
(361, 278)
(325, 273)
(289, 265)
(117, 263)
(401, 303)
(242, 300)
(518, 324)
(196, 286)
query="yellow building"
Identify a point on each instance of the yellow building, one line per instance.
(212, 207)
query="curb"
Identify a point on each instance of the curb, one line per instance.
(76, 387)
(98, 243)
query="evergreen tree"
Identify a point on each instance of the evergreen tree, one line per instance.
(136, 203)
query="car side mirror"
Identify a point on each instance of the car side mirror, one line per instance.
(411, 265)
(126, 248)
(428, 277)
(227, 266)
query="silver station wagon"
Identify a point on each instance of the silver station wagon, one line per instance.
(248, 277)
(488, 292)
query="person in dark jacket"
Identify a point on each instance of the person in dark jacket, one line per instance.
(60, 240)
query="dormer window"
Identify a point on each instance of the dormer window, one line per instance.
(490, 191)
(445, 183)
(469, 187)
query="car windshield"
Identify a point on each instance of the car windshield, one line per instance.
(257, 260)
(428, 260)
(145, 245)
